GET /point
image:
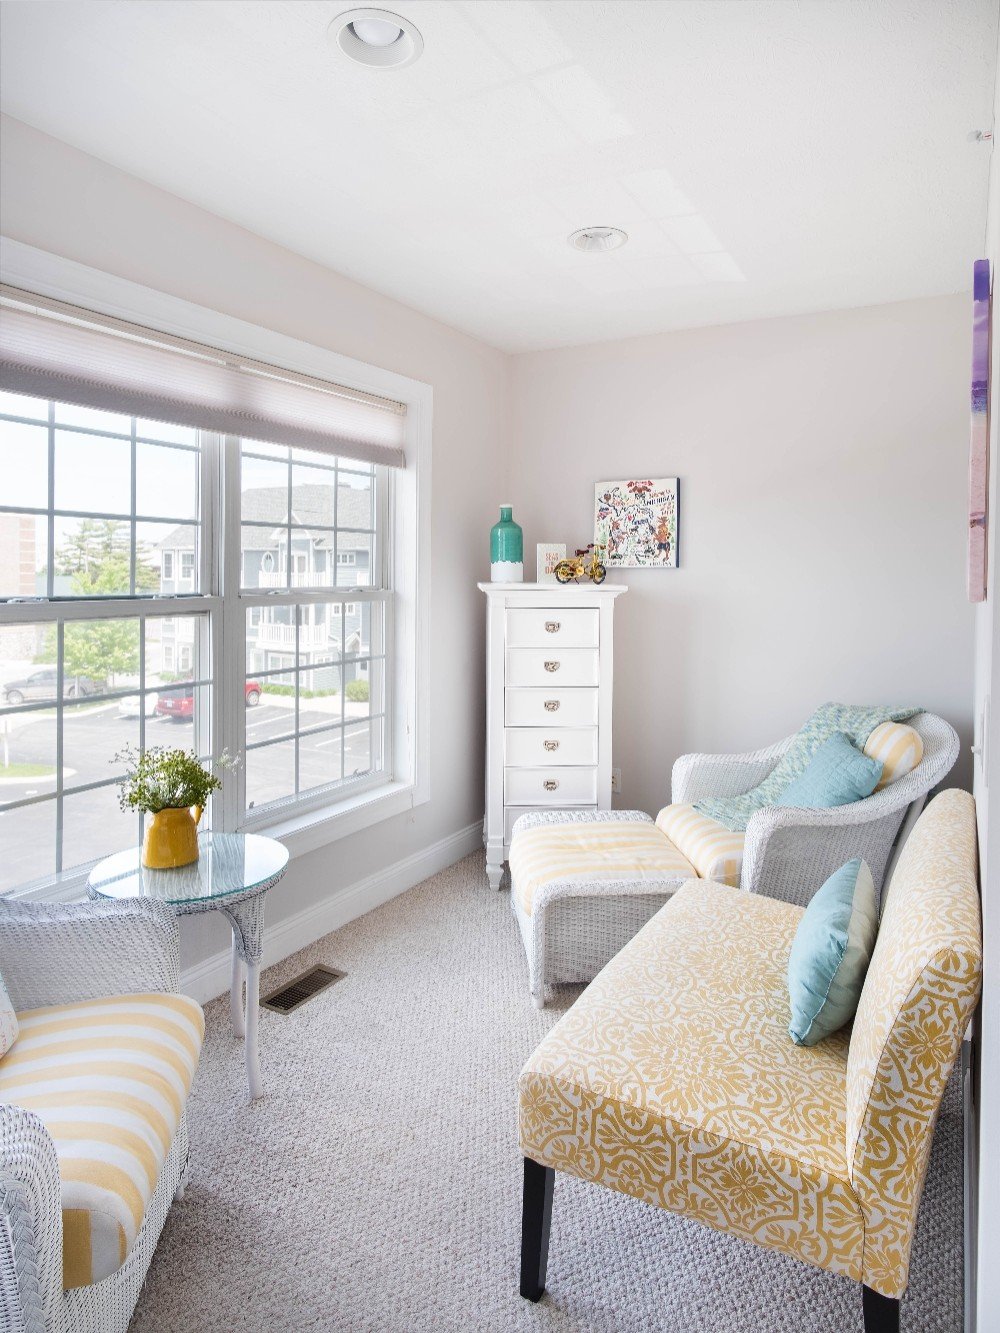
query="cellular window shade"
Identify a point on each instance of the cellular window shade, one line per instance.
(52, 351)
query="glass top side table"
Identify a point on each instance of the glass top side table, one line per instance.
(232, 874)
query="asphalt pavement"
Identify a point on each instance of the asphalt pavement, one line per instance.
(93, 824)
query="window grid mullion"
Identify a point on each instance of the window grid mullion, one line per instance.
(133, 557)
(60, 709)
(50, 536)
(229, 697)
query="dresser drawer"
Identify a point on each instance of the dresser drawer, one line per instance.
(550, 708)
(550, 786)
(552, 666)
(512, 813)
(557, 626)
(530, 747)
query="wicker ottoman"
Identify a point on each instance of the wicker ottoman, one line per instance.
(582, 884)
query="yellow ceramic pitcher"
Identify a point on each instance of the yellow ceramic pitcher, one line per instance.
(171, 838)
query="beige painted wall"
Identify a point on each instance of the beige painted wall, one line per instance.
(823, 499)
(66, 202)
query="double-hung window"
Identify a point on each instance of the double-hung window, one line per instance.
(315, 638)
(195, 551)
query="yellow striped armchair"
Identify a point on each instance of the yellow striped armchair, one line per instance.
(93, 1094)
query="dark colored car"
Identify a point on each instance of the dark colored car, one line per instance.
(177, 702)
(44, 684)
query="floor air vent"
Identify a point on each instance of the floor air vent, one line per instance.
(300, 989)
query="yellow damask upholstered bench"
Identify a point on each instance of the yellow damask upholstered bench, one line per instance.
(673, 1078)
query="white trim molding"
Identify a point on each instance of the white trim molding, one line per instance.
(408, 682)
(210, 978)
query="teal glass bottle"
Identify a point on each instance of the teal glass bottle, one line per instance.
(506, 549)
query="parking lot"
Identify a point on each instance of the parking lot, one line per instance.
(94, 733)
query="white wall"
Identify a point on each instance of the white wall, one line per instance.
(822, 519)
(61, 200)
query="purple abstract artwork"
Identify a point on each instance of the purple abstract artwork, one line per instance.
(979, 450)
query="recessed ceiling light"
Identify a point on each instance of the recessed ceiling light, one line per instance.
(376, 38)
(594, 240)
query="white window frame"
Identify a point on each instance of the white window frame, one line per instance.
(378, 594)
(167, 562)
(407, 733)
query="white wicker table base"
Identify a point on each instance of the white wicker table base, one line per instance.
(231, 876)
(247, 921)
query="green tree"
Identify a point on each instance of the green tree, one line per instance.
(96, 559)
(101, 649)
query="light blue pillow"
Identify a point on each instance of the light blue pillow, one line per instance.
(837, 774)
(830, 954)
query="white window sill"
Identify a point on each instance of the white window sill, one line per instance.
(300, 833)
(306, 832)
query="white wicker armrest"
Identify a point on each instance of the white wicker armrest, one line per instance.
(697, 776)
(789, 852)
(30, 1224)
(61, 953)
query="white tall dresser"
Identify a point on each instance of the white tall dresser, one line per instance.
(548, 713)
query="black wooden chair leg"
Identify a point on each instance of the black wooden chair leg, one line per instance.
(536, 1216)
(881, 1312)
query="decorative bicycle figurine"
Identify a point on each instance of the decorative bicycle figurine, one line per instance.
(585, 564)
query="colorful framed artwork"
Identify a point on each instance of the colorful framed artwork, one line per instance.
(637, 522)
(979, 445)
(548, 556)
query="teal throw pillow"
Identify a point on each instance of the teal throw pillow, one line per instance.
(830, 954)
(837, 774)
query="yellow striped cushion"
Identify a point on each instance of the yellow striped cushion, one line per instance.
(714, 851)
(899, 748)
(631, 851)
(109, 1079)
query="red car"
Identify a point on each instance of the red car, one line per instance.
(178, 702)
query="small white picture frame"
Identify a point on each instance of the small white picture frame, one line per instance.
(549, 555)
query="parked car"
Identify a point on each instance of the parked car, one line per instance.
(43, 684)
(177, 702)
(129, 706)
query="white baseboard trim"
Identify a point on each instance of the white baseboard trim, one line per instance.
(210, 978)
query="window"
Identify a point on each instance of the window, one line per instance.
(321, 723)
(149, 573)
(82, 523)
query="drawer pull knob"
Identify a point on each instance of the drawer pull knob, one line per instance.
(551, 705)
(551, 666)
(552, 626)
(551, 745)
(550, 784)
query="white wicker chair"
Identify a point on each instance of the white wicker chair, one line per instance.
(790, 852)
(55, 954)
(573, 931)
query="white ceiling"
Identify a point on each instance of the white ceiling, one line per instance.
(766, 157)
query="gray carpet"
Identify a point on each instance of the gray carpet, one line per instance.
(377, 1185)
